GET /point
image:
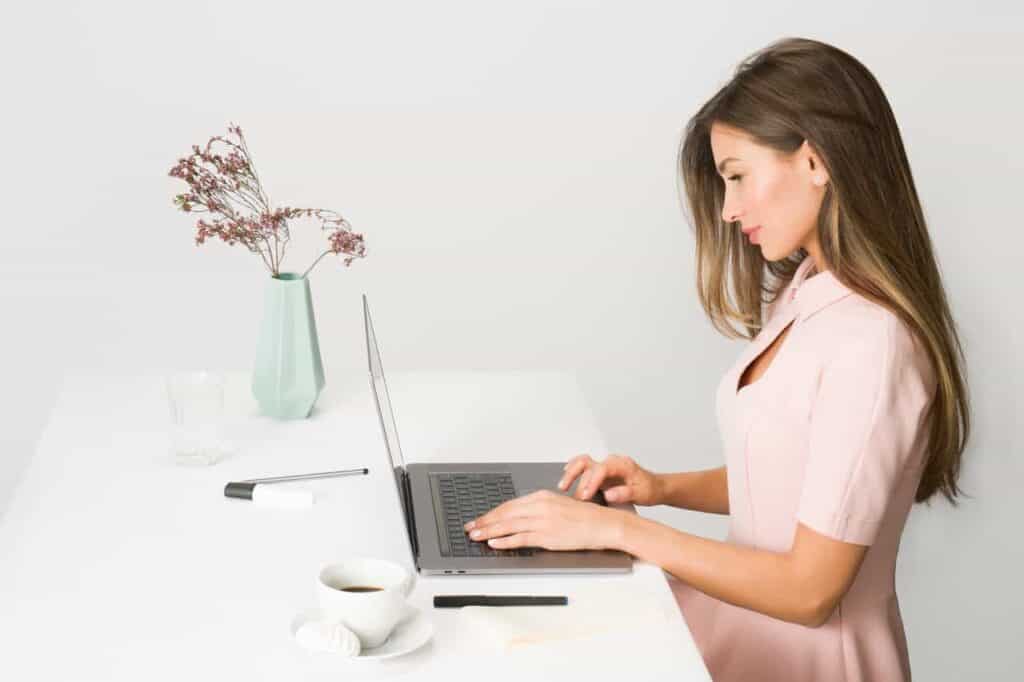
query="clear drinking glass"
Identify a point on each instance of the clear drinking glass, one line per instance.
(197, 417)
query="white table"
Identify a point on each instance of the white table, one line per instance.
(117, 564)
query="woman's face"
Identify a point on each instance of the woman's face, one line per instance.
(778, 194)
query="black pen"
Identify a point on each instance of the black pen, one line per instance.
(451, 601)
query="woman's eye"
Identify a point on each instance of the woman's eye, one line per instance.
(735, 177)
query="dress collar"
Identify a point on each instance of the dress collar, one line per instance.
(811, 293)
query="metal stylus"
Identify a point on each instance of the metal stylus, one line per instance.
(306, 477)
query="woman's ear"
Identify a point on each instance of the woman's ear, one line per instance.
(815, 168)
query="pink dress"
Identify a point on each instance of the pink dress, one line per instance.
(831, 436)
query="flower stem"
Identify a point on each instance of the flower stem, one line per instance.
(315, 262)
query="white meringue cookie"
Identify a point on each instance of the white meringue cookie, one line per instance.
(317, 635)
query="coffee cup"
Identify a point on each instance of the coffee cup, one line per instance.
(367, 596)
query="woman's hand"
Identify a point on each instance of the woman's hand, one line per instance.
(621, 479)
(551, 521)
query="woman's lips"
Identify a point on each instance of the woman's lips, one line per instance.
(753, 235)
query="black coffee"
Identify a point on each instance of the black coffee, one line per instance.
(361, 588)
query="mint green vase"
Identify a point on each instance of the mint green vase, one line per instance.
(289, 374)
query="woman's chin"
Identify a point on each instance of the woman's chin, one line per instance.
(770, 253)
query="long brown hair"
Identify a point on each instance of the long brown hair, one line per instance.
(871, 228)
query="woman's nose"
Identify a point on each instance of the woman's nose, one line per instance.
(730, 213)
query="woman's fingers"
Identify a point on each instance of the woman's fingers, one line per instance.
(519, 507)
(593, 474)
(505, 527)
(584, 457)
(573, 468)
(620, 493)
(592, 479)
(529, 539)
(613, 470)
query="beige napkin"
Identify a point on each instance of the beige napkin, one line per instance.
(591, 611)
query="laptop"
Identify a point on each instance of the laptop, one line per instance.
(439, 498)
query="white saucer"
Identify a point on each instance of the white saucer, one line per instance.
(412, 632)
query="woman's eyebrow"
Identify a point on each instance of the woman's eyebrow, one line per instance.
(721, 166)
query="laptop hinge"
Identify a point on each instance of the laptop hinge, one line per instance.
(410, 518)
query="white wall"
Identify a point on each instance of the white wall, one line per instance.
(512, 168)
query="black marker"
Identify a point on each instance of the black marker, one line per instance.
(453, 601)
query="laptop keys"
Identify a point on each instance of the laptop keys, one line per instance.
(465, 497)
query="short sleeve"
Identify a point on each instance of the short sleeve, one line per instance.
(864, 431)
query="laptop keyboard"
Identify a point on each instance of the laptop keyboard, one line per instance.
(465, 497)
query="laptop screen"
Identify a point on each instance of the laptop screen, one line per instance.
(380, 392)
(387, 421)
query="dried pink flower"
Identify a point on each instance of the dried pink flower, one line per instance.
(225, 184)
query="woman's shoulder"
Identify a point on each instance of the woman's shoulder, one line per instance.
(863, 331)
(862, 320)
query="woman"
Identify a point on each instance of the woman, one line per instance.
(847, 407)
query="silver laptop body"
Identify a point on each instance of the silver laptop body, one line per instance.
(437, 497)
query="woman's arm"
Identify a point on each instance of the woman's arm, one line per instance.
(706, 491)
(802, 586)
